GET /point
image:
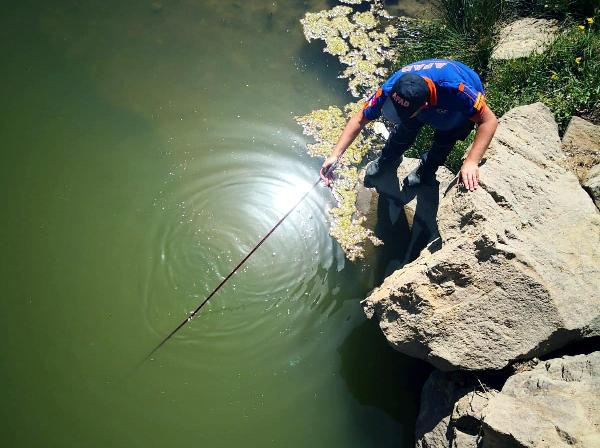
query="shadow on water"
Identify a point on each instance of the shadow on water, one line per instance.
(376, 374)
(380, 377)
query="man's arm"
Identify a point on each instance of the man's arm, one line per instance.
(469, 172)
(352, 129)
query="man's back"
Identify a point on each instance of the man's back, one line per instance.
(455, 91)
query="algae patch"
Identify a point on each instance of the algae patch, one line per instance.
(361, 40)
(326, 126)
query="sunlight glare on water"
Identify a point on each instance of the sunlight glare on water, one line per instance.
(289, 195)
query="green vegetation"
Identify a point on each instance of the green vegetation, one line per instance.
(372, 44)
(565, 77)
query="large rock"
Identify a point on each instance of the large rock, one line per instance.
(581, 143)
(451, 411)
(524, 37)
(555, 404)
(518, 273)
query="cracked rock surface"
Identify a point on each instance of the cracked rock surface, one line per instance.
(518, 271)
(552, 404)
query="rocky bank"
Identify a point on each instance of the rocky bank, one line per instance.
(552, 403)
(491, 281)
(518, 272)
(513, 276)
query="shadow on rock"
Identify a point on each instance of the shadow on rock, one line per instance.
(406, 217)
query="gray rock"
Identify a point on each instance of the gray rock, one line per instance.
(555, 404)
(425, 198)
(518, 273)
(523, 37)
(581, 144)
(452, 406)
(440, 392)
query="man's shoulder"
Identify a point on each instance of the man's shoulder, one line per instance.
(439, 70)
(424, 65)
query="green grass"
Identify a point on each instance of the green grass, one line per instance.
(566, 77)
(434, 39)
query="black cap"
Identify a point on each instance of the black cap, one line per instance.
(409, 93)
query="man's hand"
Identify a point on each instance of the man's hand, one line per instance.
(352, 129)
(327, 177)
(469, 175)
(469, 172)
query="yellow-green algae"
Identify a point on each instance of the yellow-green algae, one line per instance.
(326, 126)
(367, 41)
(365, 19)
(362, 41)
(336, 46)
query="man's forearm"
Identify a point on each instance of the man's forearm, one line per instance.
(483, 137)
(352, 129)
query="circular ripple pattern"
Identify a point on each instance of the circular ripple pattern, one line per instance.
(211, 212)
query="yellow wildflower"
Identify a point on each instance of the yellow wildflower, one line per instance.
(578, 60)
(590, 20)
(581, 27)
(554, 76)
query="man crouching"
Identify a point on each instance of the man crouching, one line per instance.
(446, 95)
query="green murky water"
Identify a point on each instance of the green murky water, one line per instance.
(146, 146)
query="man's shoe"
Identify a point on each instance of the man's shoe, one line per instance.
(377, 168)
(421, 175)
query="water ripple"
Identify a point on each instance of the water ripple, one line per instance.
(210, 213)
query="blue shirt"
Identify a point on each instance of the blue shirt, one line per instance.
(455, 93)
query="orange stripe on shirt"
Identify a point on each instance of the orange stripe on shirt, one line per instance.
(432, 91)
(479, 102)
(477, 116)
(371, 101)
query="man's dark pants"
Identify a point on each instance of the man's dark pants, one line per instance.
(404, 134)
